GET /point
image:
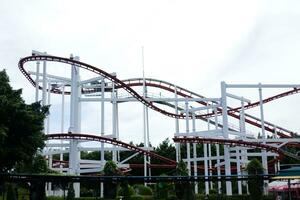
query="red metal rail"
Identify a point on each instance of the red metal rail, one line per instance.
(229, 142)
(127, 84)
(65, 136)
(282, 132)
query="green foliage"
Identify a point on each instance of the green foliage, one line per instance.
(111, 169)
(71, 192)
(21, 126)
(143, 190)
(255, 182)
(166, 149)
(11, 194)
(137, 197)
(111, 188)
(162, 189)
(126, 191)
(183, 190)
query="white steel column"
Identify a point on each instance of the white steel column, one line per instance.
(50, 160)
(102, 131)
(206, 161)
(48, 103)
(225, 134)
(195, 154)
(238, 150)
(276, 163)
(44, 97)
(148, 139)
(177, 145)
(114, 121)
(218, 154)
(238, 165)
(117, 126)
(209, 152)
(210, 165)
(244, 156)
(188, 148)
(264, 153)
(206, 168)
(61, 157)
(74, 125)
(37, 81)
(145, 118)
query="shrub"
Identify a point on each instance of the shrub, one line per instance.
(137, 197)
(110, 188)
(143, 190)
(255, 182)
(126, 191)
(11, 194)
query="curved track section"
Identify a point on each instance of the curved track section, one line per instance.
(229, 142)
(282, 132)
(116, 81)
(68, 136)
(127, 84)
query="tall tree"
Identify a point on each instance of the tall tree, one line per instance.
(183, 190)
(255, 182)
(21, 126)
(111, 188)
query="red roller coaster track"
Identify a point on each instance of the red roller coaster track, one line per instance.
(127, 84)
(282, 132)
(230, 142)
(170, 163)
(87, 137)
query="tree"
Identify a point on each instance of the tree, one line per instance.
(110, 188)
(38, 165)
(11, 194)
(183, 190)
(126, 191)
(255, 182)
(165, 149)
(21, 126)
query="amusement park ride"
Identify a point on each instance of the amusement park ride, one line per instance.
(181, 104)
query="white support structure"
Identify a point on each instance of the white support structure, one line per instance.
(114, 121)
(177, 145)
(195, 153)
(102, 131)
(206, 157)
(217, 152)
(264, 155)
(74, 124)
(188, 147)
(103, 90)
(225, 134)
(37, 81)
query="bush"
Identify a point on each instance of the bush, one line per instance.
(143, 190)
(255, 182)
(11, 194)
(126, 191)
(137, 197)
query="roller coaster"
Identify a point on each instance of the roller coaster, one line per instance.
(181, 104)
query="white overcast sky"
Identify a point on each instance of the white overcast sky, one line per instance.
(194, 44)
